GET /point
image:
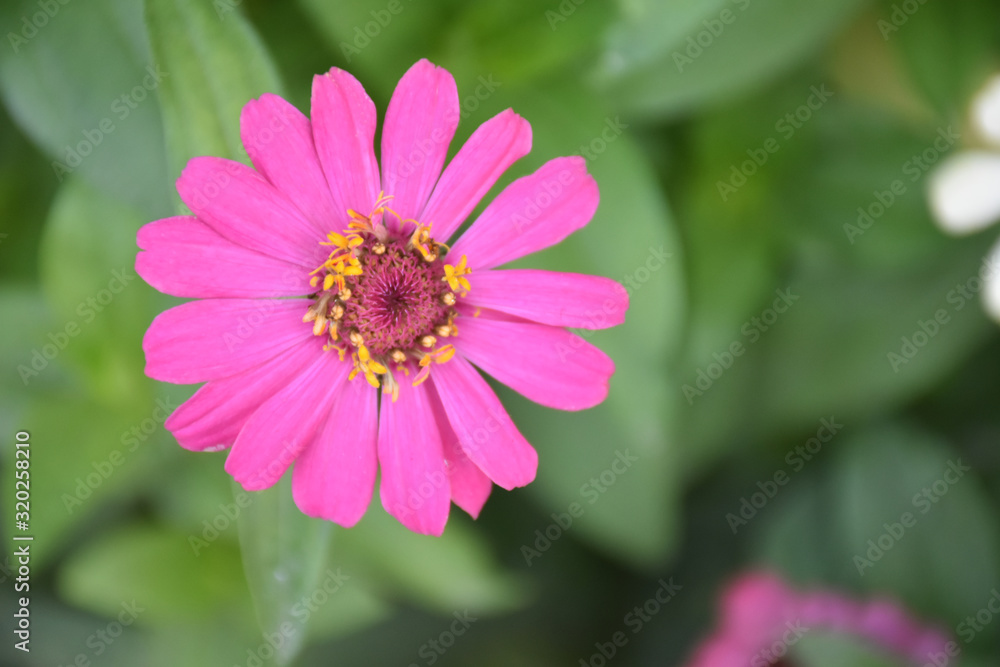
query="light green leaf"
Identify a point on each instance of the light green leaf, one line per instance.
(453, 572)
(99, 443)
(84, 455)
(157, 569)
(87, 259)
(821, 650)
(28, 307)
(283, 556)
(216, 64)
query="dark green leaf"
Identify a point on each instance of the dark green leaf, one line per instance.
(666, 58)
(81, 88)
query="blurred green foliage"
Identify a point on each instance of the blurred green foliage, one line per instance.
(736, 144)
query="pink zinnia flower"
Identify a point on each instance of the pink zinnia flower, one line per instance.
(337, 331)
(761, 618)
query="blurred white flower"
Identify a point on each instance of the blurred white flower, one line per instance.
(965, 190)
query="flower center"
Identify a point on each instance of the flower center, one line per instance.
(387, 301)
(398, 298)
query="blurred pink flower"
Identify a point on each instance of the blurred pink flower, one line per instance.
(761, 618)
(379, 301)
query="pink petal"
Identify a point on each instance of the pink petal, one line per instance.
(532, 213)
(414, 486)
(242, 206)
(470, 487)
(887, 624)
(343, 119)
(283, 426)
(334, 477)
(548, 365)
(492, 148)
(486, 433)
(722, 651)
(279, 140)
(549, 297)
(215, 338)
(756, 606)
(213, 417)
(419, 125)
(182, 256)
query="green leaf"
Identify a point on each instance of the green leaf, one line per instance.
(283, 556)
(794, 224)
(81, 88)
(159, 570)
(97, 439)
(555, 39)
(667, 57)
(67, 632)
(948, 49)
(471, 40)
(947, 560)
(26, 190)
(821, 650)
(631, 239)
(217, 64)
(27, 306)
(87, 259)
(379, 52)
(889, 515)
(84, 455)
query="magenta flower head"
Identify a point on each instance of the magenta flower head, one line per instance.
(336, 328)
(761, 619)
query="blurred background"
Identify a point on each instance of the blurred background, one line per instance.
(805, 357)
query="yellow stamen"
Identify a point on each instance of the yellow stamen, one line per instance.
(422, 241)
(391, 386)
(455, 276)
(439, 356)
